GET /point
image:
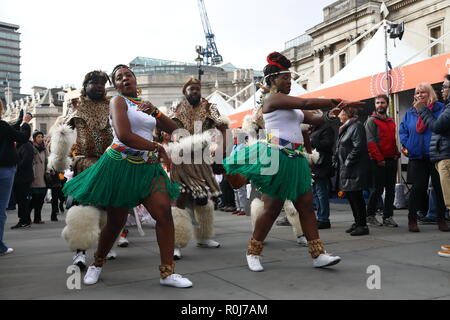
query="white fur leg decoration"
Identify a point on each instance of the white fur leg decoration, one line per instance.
(256, 209)
(183, 227)
(62, 140)
(293, 218)
(82, 227)
(192, 143)
(205, 218)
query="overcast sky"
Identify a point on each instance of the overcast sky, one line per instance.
(62, 40)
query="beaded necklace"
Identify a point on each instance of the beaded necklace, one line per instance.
(132, 99)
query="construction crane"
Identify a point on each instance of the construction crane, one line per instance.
(210, 53)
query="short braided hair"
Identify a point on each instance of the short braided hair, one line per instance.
(119, 66)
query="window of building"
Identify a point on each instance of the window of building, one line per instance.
(43, 127)
(359, 46)
(321, 67)
(436, 32)
(60, 96)
(342, 61)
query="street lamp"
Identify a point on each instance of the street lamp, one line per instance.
(199, 61)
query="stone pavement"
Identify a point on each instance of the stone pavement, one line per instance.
(409, 265)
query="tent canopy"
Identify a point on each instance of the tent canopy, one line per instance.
(224, 107)
(365, 76)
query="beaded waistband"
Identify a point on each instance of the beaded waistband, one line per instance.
(120, 152)
(291, 149)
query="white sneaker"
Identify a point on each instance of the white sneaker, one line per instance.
(92, 275)
(8, 251)
(444, 253)
(111, 255)
(208, 244)
(254, 263)
(176, 280)
(325, 260)
(301, 240)
(79, 260)
(123, 242)
(176, 254)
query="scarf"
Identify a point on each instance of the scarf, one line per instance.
(420, 125)
(346, 124)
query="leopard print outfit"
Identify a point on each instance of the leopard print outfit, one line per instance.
(90, 119)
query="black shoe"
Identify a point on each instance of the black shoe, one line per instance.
(21, 226)
(323, 225)
(352, 227)
(61, 208)
(54, 218)
(427, 220)
(360, 231)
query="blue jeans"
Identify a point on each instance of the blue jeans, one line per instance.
(321, 192)
(6, 183)
(432, 206)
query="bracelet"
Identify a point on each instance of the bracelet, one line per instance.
(336, 101)
(156, 113)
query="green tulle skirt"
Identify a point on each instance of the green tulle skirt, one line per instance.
(116, 182)
(271, 171)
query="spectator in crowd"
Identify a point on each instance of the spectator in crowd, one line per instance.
(38, 186)
(240, 195)
(384, 155)
(322, 139)
(440, 139)
(227, 201)
(23, 179)
(431, 217)
(440, 153)
(352, 163)
(56, 182)
(415, 137)
(9, 135)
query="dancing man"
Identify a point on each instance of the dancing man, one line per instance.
(88, 121)
(196, 115)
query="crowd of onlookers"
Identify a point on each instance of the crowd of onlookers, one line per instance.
(25, 180)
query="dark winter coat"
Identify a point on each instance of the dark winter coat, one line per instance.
(440, 140)
(323, 139)
(352, 157)
(9, 135)
(24, 174)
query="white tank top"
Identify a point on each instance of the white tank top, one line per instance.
(287, 122)
(141, 123)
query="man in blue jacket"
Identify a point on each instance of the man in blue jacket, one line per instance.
(440, 144)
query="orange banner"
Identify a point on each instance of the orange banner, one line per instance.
(403, 78)
(400, 79)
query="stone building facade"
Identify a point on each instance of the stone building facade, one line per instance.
(46, 105)
(166, 89)
(346, 20)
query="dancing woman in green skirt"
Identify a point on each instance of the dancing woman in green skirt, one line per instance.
(130, 173)
(276, 165)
